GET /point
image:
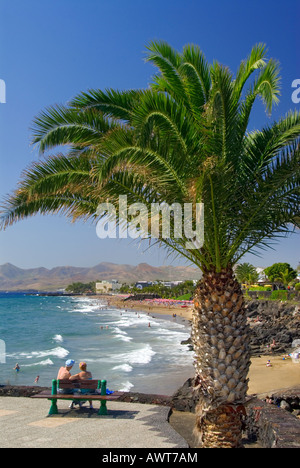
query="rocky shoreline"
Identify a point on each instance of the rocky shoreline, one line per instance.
(128, 397)
(273, 323)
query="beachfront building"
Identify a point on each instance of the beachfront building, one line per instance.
(171, 284)
(103, 287)
(262, 278)
(142, 284)
(168, 284)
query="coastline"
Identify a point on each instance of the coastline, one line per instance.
(118, 302)
(263, 381)
(116, 345)
(282, 374)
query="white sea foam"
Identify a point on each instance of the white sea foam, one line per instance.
(47, 362)
(123, 367)
(171, 335)
(85, 306)
(82, 310)
(126, 386)
(58, 338)
(138, 356)
(124, 338)
(122, 335)
(59, 352)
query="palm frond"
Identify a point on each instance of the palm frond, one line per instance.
(196, 71)
(261, 147)
(111, 103)
(121, 151)
(267, 87)
(223, 109)
(172, 120)
(57, 184)
(255, 60)
(167, 60)
(266, 206)
(60, 125)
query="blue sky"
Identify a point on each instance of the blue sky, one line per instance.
(52, 50)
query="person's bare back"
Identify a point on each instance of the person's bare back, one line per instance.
(84, 375)
(63, 373)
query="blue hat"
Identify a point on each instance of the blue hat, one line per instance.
(70, 363)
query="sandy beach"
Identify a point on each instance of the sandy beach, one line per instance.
(282, 374)
(152, 307)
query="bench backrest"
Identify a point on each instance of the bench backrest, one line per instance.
(87, 384)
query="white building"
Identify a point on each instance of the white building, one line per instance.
(262, 277)
(143, 284)
(103, 287)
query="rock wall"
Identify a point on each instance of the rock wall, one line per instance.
(273, 426)
(273, 322)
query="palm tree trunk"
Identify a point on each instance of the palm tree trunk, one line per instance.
(221, 341)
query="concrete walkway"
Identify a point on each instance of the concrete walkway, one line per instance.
(25, 424)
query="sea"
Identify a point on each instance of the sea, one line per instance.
(133, 350)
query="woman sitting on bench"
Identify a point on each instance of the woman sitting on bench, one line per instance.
(84, 375)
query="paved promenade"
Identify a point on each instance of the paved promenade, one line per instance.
(25, 424)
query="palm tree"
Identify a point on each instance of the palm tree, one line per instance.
(246, 273)
(281, 273)
(183, 140)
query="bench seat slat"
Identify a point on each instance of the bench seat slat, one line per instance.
(95, 397)
(89, 384)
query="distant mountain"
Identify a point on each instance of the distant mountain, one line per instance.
(13, 278)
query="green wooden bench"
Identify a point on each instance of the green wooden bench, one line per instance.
(97, 388)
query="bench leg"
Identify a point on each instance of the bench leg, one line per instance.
(103, 409)
(53, 407)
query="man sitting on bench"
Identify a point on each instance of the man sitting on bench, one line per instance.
(64, 373)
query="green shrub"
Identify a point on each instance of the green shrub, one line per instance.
(260, 288)
(184, 297)
(261, 297)
(279, 295)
